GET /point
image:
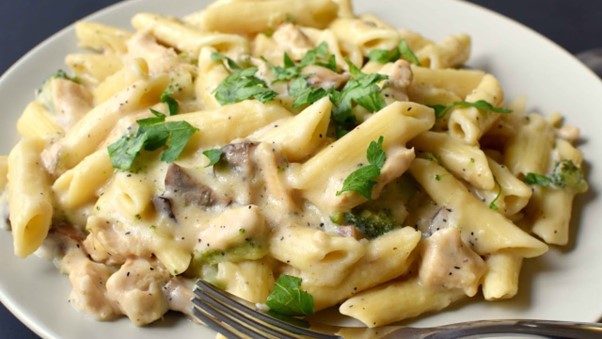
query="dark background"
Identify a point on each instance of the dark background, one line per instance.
(575, 25)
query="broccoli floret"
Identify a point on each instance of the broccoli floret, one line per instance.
(249, 250)
(371, 224)
(565, 174)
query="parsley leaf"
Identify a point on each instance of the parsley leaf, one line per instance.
(287, 297)
(179, 134)
(214, 156)
(407, 54)
(172, 104)
(241, 85)
(152, 134)
(383, 56)
(492, 204)
(565, 174)
(321, 56)
(363, 90)
(287, 72)
(482, 105)
(305, 94)
(363, 179)
(232, 65)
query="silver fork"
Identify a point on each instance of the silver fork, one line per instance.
(233, 318)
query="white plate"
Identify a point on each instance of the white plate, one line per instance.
(563, 284)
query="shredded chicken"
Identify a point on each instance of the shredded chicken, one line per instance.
(400, 77)
(323, 77)
(137, 290)
(292, 40)
(71, 101)
(88, 279)
(178, 292)
(447, 262)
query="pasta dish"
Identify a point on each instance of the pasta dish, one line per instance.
(293, 153)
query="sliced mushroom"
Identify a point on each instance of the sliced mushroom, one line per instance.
(163, 206)
(238, 156)
(179, 184)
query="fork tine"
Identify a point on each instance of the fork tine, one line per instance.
(226, 300)
(233, 313)
(214, 325)
(224, 319)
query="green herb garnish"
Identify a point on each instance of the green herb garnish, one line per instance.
(172, 104)
(241, 85)
(287, 297)
(305, 94)
(152, 134)
(363, 179)
(565, 174)
(214, 156)
(383, 56)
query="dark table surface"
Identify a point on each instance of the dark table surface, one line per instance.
(575, 25)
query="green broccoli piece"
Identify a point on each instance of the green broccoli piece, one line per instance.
(249, 250)
(371, 224)
(565, 174)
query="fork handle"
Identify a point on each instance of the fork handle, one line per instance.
(551, 328)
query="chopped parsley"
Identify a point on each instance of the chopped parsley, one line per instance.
(319, 56)
(493, 203)
(152, 134)
(242, 84)
(565, 174)
(383, 56)
(214, 156)
(172, 104)
(363, 179)
(287, 298)
(305, 94)
(362, 89)
(482, 105)
(231, 64)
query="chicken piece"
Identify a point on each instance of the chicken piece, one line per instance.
(113, 242)
(447, 262)
(71, 101)
(88, 281)
(292, 40)
(178, 293)
(137, 290)
(160, 59)
(400, 77)
(398, 161)
(319, 76)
